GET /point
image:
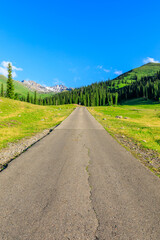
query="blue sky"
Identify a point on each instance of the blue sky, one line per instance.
(77, 42)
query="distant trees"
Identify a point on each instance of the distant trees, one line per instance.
(35, 97)
(28, 98)
(104, 93)
(10, 86)
(2, 90)
(109, 93)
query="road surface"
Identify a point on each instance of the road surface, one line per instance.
(78, 183)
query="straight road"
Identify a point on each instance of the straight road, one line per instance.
(78, 183)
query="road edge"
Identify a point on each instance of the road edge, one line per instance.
(25, 143)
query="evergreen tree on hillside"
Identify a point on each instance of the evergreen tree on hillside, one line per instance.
(116, 98)
(2, 90)
(35, 97)
(28, 97)
(10, 86)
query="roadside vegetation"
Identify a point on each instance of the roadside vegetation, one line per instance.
(136, 125)
(20, 119)
(137, 119)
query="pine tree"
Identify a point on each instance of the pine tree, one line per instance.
(116, 98)
(10, 86)
(35, 97)
(28, 97)
(2, 90)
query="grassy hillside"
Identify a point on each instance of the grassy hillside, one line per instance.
(20, 119)
(149, 69)
(21, 89)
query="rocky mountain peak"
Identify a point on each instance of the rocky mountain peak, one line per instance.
(33, 86)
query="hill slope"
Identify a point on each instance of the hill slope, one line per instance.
(19, 87)
(149, 69)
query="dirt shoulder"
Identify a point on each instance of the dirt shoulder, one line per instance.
(148, 157)
(136, 132)
(15, 149)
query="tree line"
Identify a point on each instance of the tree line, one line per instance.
(97, 94)
(108, 93)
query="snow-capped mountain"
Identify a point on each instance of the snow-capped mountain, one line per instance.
(33, 86)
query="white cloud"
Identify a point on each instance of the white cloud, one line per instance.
(4, 70)
(14, 74)
(106, 70)
(149, 59)
(118, 72)
(103, 69)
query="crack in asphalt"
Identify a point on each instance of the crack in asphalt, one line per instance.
(91, 197)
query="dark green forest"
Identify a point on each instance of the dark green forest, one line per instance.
(105, 93)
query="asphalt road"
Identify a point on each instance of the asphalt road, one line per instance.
(78, 183)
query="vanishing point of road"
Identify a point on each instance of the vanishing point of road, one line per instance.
(78, 183)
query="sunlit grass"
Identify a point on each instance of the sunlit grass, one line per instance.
(142, 123)
(20, 119)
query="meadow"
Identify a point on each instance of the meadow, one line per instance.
(136, 119)
(21, 119)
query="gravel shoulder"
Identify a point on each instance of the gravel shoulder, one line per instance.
(146, 156)
(15, 149)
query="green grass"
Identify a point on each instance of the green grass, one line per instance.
(142, 124)
(20, 119)
(146, 70)
(21, 89)
(149, 69)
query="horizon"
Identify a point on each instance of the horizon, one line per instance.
(61, 84)
(77, 44)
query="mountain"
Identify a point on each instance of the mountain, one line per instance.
(33, 86)
(22, 88)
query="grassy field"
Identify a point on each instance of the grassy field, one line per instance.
(140, 121)
(20, 119)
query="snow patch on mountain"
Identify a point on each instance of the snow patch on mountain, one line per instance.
(33, 86)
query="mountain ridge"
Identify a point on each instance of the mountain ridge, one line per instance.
(27, 85)
(33, 86)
